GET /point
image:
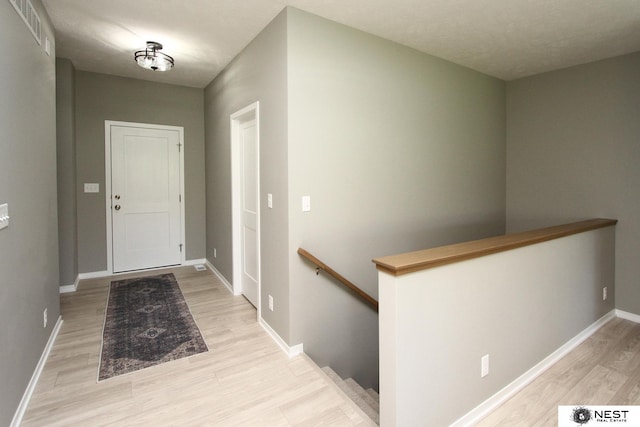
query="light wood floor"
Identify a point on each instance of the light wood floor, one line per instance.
(244, 379)
(603, 370)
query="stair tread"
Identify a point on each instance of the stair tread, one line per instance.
(374, 394)
(371, 411)
(333, 375)
(375, 405)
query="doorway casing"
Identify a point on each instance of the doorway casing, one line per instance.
(251, 112)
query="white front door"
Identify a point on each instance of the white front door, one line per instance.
(145, 198)
(247, 193)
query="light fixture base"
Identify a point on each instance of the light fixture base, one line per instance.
(154, 46)
(152, 59)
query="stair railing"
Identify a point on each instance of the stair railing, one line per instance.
(321, 266)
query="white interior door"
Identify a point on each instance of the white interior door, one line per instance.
(249, 206)
(145, 198)
(246, 205)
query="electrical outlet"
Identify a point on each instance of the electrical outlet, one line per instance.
(44, 318)
(306, 203)
(4, 216)
(604, 293)
(484, 366)
(270, 303)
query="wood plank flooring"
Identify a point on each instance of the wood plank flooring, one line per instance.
(245, 378)
(603, 370)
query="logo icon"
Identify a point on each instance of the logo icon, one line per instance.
(581, 415)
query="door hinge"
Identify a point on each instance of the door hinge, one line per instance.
(180, 247)
(179, 147)
(180, 198)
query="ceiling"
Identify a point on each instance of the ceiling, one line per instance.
(508, 39)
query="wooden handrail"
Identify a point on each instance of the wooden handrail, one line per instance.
(324, 267)
(410, 262)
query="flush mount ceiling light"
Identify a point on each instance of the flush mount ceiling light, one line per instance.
(151, 58)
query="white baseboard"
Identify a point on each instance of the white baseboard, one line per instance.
(220, 276)
(100, 274)
(65, 289)
(628, 316)
(489, 405)
(94, 275)
(26, 397)
(290, 351)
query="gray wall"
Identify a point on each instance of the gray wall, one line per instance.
(256, 74)
(66, 155)
(399, 151)
(573, 152)
(437, 324)
(101, 97)
(29, 246)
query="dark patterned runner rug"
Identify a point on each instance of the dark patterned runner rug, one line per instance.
(147, 323)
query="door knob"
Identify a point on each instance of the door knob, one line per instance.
(117, 207)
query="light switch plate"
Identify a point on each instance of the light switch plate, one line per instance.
(4, 216)
(306, 203)
(484, 366)
(91, 187)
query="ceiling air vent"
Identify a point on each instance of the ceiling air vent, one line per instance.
(29, 16)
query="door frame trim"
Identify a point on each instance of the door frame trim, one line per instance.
(252, 110)
(107, 182)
